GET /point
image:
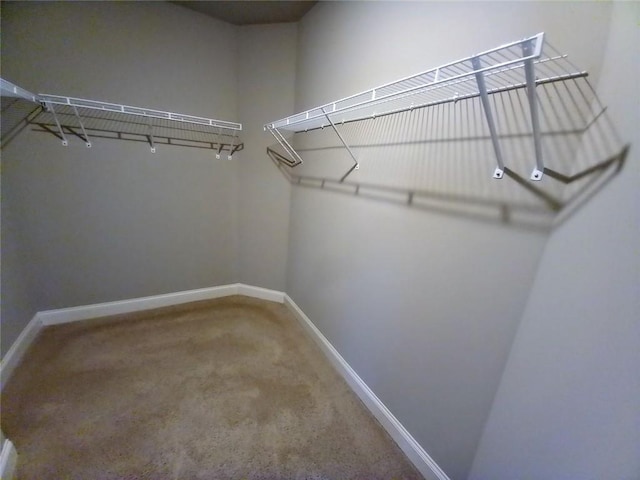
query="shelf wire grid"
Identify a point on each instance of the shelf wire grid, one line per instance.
(144, 125)
(96, 106)
(503, 69)
(442, 154)
(62, 116)
(163, 130)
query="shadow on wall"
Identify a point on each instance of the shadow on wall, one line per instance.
(441, 158)
(15, 117)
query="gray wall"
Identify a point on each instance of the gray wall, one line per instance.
(81, 225)
(423, 305)
(568, 405)
(266, 82)
(19, 295)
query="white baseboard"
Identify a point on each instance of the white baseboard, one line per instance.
(262, 293)
(412, 449)
(8, 461)
(84, 312)
(14, 355)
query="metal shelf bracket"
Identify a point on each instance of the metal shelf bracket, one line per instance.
(356, 165)
(528, 52)
(55, 117)
(297, 160)
(486, 107)
(84, 132)
(152, 144)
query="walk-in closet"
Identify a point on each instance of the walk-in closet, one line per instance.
(320, 239)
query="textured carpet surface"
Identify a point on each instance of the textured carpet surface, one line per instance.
(231, 388)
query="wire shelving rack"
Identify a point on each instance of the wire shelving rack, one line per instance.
(520, 64)
(63, 116)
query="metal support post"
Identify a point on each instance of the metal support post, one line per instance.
(527, 50)
(55, 117)
(151, 140)
(484, 97)
(232, 147)
(297, 160)
(220, 144)
(356, 165)
(84, 132)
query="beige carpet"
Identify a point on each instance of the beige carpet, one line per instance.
(221, 389)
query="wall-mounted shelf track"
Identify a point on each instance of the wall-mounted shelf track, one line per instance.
(517, 65)
(65, 116)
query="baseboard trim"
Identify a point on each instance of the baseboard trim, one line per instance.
(15, 353)
(262, 293)
(8, 460)
(84, 312)
(411, 448)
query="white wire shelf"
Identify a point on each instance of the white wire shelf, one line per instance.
(8, 89)
(520, 64)
(139, 111)
(85, 118)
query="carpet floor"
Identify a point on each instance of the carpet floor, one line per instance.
(231, 388)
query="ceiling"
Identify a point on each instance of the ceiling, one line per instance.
(250, 12)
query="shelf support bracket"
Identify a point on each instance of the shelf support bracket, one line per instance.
(297, 160)
(151, 139)
(484, 97)
(356, 165)
(220, 144)
(84, 132)
(528, 51)
(232, 147)
(55, 117)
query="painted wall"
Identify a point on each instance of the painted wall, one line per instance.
(19, 293)
(568, 405)
(82, 226)
(266, 80)
(422, 303)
